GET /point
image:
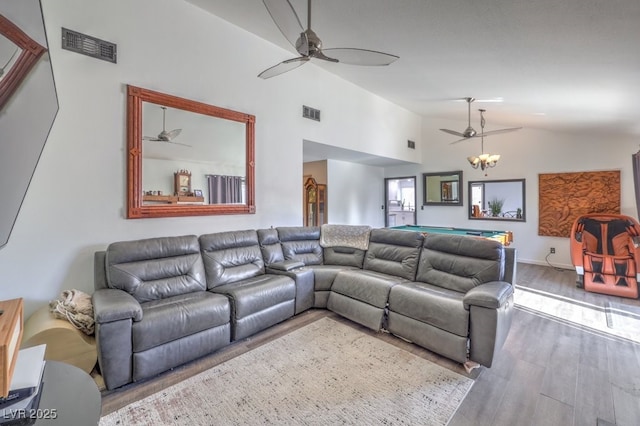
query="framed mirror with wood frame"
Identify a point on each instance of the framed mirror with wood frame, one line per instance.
(22, 54)
(214, 147)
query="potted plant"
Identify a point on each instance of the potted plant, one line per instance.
(495, 206)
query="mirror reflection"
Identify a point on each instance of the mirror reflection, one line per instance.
(9, 53)
(206, 152)
(18, 54)
(442, 188)
(187, 158)
(497, 200)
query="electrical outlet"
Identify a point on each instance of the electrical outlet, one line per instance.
(552, 250)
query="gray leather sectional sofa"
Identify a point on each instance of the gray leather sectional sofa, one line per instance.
(162, 302)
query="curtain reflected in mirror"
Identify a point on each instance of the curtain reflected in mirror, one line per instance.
(187, 158)
(225, 189)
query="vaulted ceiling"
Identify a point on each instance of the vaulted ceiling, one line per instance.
(570, 65)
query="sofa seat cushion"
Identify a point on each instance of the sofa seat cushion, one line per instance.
(366, 286)
(257, 293)
(324, 275)
(175, 317)
(430, 304)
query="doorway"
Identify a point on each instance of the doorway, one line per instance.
(400, 199)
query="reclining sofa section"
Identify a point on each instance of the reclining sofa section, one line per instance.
(161, 302)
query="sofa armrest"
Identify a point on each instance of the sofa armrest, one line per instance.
(492, 295)
(286, 265)
(111, 304)
(304, 279)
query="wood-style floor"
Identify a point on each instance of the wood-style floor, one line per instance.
(548, 372)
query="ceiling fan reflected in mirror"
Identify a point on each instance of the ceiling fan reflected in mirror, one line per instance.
(309, 45)
(470, 132)
(164, 135)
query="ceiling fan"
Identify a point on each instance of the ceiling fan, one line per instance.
(309, 45)
(470, 132)
(165, 136)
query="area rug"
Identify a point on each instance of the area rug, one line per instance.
(325, 373)
(612, 319)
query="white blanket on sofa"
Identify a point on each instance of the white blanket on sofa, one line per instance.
(353, 236)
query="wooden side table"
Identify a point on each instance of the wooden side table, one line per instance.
(64, 342)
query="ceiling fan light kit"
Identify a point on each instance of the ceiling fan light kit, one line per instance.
(484, 161)
(308, 44)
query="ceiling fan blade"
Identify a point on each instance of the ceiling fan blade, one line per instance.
(286, 19)
(178, 143)
(320, 55)
(453, 132)
(173, 133)
(283, 67)
(150, 138)
(499, 131)
(353, 56)
(460, 140)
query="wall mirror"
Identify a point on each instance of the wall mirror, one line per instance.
(442, 188)
(18, 54)
(28, 104)
(497, 200)
(187, 158)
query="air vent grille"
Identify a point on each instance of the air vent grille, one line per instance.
(311, 113)
(90, 46)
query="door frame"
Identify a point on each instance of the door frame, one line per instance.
(386, 208)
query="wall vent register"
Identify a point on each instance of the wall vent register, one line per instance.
(311, 113)
(88, 45)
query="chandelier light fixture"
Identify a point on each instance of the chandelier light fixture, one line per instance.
(484, 161)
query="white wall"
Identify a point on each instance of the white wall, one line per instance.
(525, 154)
(76, 201)
(355, 193)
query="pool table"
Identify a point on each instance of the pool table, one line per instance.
(505, 237)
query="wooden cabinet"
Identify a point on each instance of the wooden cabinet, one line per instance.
(11, 320)
(315, 203)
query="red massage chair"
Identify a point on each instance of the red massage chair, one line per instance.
(605, 250)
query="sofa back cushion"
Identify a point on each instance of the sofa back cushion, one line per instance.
(301, 243)
(343, 256)
(270, 246)
(459, 262)
(393, 252)
(156, 268)
(231, 256)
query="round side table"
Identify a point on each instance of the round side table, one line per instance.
(73, 395)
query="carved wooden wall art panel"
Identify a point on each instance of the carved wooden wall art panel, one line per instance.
(563, 197)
